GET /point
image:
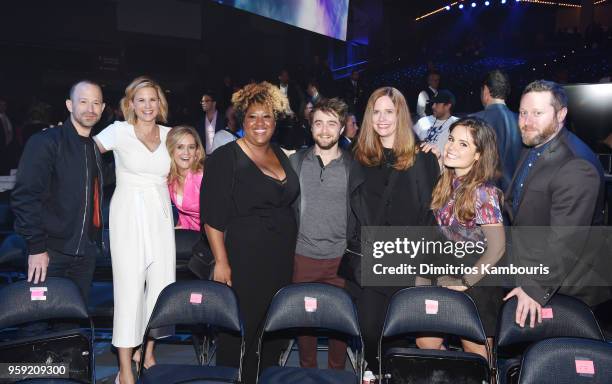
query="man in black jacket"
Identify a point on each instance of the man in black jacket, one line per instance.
(557, 186)
(58, 193)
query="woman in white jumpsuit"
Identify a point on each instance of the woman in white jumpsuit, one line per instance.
(141, 223)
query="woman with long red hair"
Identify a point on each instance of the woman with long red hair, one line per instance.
(390, 185)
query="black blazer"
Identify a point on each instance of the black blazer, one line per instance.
(564, 188)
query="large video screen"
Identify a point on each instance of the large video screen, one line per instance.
(589, 112)
(327, 17)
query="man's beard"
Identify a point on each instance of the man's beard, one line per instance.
(540, 137)
(333, 142)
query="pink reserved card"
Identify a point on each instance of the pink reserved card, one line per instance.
(585, 367)
(196, 298)
(431, 307)
(38, 293)
(310, 304)
(547, 313)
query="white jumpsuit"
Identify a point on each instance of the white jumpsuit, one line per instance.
(141, 230)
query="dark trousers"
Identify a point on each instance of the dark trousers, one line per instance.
(372, 308)
(78, 268)
(309, 270)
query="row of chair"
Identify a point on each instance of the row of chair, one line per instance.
(567, 347)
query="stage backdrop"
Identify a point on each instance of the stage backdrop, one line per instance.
(327, 17)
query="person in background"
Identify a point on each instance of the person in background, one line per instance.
(185, 178)
(432, 130)
(312, 90)
(301, 132)
(141, 226)
(290, 89)
(423, 107)
(230, 133)
(353, 92)
(494, 92)
(467, 207)
(349, 135)
(211, 122)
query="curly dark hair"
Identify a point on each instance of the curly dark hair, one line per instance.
(262, 93)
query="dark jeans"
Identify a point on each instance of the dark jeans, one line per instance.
(78, 268)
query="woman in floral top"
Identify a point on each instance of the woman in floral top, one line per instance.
(466, 205)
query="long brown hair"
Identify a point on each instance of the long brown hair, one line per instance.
(369, 149)
(174, 136)
(485, 169)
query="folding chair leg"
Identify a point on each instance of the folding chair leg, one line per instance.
(286, 353)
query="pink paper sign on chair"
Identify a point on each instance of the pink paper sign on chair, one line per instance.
(196, 298)
(310, 304)
(431, 307)
(38, 293)
(547, 313)
(585, 367)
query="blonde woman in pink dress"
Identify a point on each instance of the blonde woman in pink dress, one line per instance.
(185, 179)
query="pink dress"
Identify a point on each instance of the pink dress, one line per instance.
(189, 207)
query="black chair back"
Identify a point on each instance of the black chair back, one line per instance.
(312, 305)
(564, 316)
(55, 298)
(197, 302)
(567, 360)
(433, 310)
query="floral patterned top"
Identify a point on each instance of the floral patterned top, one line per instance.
(487, 211)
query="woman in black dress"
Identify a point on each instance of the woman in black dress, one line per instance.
(246, 197)
(386, 145)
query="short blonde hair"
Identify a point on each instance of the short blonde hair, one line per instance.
(174, 136)
(136, 85)
(369, 149)
(262, 93)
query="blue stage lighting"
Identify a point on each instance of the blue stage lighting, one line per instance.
(503, 1)
(487, 3)
(448, 7)
(460, 6)
(473, 5)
